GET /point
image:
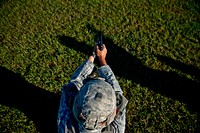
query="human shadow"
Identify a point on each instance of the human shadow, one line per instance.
(125, 65)
(187, 69)
(37, 104)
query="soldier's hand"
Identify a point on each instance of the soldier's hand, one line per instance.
(101, 54)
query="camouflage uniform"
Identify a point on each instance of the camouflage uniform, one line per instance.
(78, 88)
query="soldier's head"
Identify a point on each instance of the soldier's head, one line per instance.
(95, 106)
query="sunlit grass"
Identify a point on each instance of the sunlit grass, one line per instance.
(29, 45)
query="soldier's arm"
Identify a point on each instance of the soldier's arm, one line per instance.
(65, 115)
(82, 72)
(105, 71)
(118, 125)
(69, 91)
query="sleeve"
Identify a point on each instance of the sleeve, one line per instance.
(119, 123)
(65, 120)
(120, 118)
(106, 73)
(81, 73)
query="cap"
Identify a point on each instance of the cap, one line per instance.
(95, 106)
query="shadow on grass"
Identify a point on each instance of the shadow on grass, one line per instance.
(187, 69)
(37, 104)
(125, 65)
(197, 2)
(2, 2)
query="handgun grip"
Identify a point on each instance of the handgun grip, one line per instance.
(100, 42)
(100, 45)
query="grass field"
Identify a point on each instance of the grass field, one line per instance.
(153, 49)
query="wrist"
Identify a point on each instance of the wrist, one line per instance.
(102, 62)
(91, 58)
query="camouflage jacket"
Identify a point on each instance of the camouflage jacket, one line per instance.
(66, 121)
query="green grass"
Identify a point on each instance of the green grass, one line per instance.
(153, 41)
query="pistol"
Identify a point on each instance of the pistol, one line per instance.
(100, 41)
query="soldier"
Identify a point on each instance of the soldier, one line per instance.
(92, 104)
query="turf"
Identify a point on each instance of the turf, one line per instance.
(153, 49)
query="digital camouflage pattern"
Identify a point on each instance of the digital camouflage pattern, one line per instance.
(96, 101)
(67, 123)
